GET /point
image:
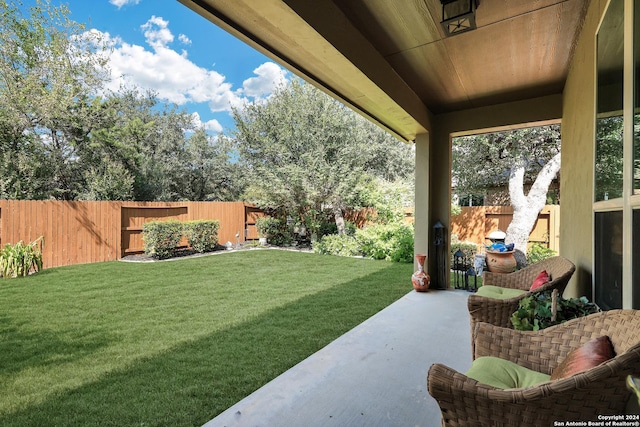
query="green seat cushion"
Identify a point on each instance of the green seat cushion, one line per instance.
(497, 292)
(504, 374)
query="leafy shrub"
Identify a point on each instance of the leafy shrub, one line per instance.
(20, 259)
(537, 253)
(402, 246)
(337, 244)
(535, 311)
(267, 226)
(283, 237)
(373, 241)
(389, 241)
(202, 235)
(468, 248)
(330, 227)
(387, 198)
(161, 238)
(276, 230)
(327, 228)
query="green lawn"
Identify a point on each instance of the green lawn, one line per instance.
(173, 343)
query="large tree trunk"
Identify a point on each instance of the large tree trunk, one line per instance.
(339, 217)
(526, 208)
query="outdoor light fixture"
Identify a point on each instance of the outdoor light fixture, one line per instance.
(459, 269)
(458, 16)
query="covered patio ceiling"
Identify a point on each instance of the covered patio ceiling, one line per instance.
(391, 61)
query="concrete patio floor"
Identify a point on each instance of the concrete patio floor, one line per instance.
(374, 375)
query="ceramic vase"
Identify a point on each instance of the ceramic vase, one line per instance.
(420, 279)
(501, 262)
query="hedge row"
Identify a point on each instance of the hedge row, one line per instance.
(393, 242)
(161, 238)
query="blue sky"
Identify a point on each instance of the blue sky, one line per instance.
(165, 46)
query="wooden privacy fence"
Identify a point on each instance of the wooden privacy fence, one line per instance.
(84, 232)
(475, 223)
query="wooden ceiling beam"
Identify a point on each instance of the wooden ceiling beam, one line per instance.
(282, 33)
(334, 26)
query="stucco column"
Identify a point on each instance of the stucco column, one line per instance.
(421, 212)
(440, 192)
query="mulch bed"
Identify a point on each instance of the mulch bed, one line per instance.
(190, 253)
(180, 253)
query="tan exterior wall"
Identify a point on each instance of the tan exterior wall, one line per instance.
(440, 197)
(578, 135)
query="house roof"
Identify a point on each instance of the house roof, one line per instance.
(391, 61)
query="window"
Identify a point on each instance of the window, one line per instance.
(609, 118)
(608, 255)
(636, 104)
(636, 258)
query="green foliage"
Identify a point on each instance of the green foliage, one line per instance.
(202, 235)
(109, 181)
(374, 241)
(403, 243)
(609, 158)
(267, 226)
(210, 173)
(388, 198)
(337, 244)
(535, 311)
(168, 157)
(20, 259)
(50, 69)
(60, 140)
(276, 230)
(468, 248)
(313, 220)
(538, 252)
(480, 161)
(304, 151)
(161, 238)
(329, 227)
(391, 242)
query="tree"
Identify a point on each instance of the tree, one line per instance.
(304, 152)
(109, 181)
(49, 69)
(211, 174)
(519, 157)
(159, 147)
(60, 139)
(389, 198)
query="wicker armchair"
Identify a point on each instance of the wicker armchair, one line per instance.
(497, 311)
(597, 391)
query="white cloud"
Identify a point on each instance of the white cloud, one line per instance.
(211, 125)
(269, 76)
(156, 32)
(184, 39)
(175, 78)
(120, 3)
